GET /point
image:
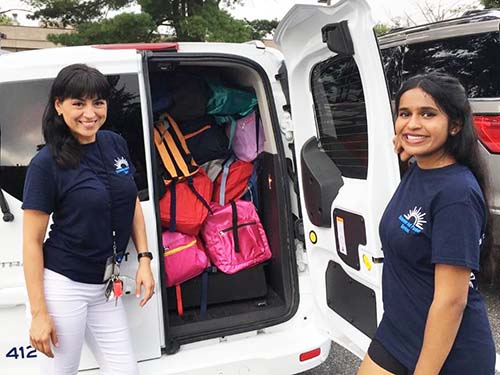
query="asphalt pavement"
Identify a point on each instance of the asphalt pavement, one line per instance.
(342, 362)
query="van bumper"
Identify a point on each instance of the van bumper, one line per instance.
(272, 351)
(276, 351)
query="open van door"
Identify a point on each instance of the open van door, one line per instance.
(343, 129)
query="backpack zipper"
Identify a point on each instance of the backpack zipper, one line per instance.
(177, 249)
(224, 231)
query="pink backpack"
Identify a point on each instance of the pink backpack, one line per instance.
(184, 257)
(234, 237)
(246, 137)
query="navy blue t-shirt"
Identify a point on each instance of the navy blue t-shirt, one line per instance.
(84, 208)
(436, 216)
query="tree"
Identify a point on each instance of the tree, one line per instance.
(114, 30)
(381, 29)
(5, 20)
(189, 20)
(72, 12)
(491, 3)
(262, 28)
(178, 14)
(212, 24)
(434, 11)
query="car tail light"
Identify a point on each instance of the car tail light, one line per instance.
(310, 355)
(488, 130)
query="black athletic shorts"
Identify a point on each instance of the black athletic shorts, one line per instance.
(386, 360)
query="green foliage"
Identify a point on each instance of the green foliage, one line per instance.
(262, 28)
(5, 20)
(123, 28)
(188, 20)
(491, 3)
(381, 29)
(211, 24)
(72, 12)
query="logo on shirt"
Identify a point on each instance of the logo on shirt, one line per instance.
(121, 165)
(413, 221)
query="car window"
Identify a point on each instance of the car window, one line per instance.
(474, 59)
(21, 110)
(340, 111)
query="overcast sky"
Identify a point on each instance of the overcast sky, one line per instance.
(384, 10)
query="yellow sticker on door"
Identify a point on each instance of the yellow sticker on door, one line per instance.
(341, 235)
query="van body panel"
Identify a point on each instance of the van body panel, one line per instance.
(145, 323)
(360, 201)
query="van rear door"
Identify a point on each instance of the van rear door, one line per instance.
(343, 131)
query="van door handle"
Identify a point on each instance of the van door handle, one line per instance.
(7, 215)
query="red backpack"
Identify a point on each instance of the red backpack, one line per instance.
(184, 206)
(232, 182)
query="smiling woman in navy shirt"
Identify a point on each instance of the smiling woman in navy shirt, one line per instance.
(84, 179)
(435, 236)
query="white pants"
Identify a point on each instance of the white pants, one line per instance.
(80, 312)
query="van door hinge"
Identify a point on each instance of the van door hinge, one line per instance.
(286, 126)
(300, 255)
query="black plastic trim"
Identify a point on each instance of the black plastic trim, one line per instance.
(350, 299)
(321, 182)
(338, 38)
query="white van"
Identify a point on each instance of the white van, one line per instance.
(328, 170)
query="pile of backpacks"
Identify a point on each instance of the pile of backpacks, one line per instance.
(208, 144)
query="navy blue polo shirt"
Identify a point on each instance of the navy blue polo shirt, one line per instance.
(85, 202)
(436, 216)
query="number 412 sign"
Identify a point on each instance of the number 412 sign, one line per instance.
(21, 352)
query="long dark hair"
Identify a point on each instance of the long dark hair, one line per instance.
(451, 98)
(73, 81)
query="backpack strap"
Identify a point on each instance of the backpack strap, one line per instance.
(173, 149)
(223, 182)
(257, 128)
(235, 227)
(198, 195)
(178, 297)
(173, 206)
(162, 150)
(232, 129)
(204, 293)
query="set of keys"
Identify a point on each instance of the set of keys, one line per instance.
(114, 288)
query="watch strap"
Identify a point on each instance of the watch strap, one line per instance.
(146, 254)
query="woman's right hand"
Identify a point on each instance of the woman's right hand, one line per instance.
(398, 149)
(42, 333)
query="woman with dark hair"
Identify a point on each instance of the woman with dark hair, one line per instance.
(84, 179)
(435, 236)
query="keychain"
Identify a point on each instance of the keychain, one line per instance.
(117, 289)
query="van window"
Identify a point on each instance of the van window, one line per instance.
(340, 111)
(473, 59)
(21, 110)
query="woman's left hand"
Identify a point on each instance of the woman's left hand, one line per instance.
(144, 278)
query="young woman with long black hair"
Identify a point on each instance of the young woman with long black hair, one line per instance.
(84, 179)
(435, 236)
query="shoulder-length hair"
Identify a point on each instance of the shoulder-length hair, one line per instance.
(73, 81)
(451, 97)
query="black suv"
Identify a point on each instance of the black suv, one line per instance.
(468, 48)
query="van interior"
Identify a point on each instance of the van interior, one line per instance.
(262, 295)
